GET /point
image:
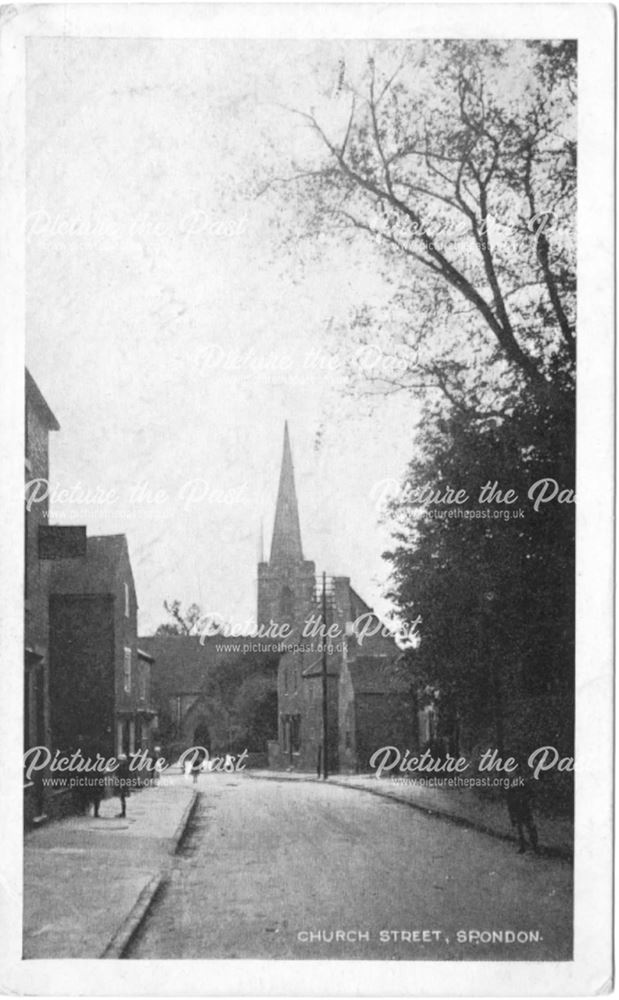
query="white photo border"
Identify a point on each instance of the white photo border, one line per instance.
(591, 969)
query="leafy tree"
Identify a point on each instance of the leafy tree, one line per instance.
(255, 710)
(183, 623)
(496, 596)
(231, 683)
(457, 160)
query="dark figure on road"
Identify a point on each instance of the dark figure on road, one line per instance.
(91, 791)
(123, 777)
(196, 764)
(97, 795)
(519, 805)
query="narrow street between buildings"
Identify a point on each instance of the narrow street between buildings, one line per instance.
(288, 869)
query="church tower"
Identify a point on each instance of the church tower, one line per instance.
(286, 582)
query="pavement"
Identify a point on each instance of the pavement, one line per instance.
(305, 870)
(459, 805)
(88, 882)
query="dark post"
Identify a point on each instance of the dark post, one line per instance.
(325, 753)
(498, 708)
(497, 694)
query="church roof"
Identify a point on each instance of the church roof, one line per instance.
(182, 662)
(286, 542)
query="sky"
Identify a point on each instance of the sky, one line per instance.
(172, 334)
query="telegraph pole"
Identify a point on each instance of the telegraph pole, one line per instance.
(325, 753)
(495, 683)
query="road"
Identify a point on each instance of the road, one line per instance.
(287, 869)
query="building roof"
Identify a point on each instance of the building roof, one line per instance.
(376, 675)
(182, 662)
(357, 604)
(35, 398)
(94, 573)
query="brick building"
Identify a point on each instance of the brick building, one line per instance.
(375, 710)
(39, 422)
(84, 678)
(360, 714)
(43, 544)
(94, 690)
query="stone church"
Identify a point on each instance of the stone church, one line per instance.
(369, 703)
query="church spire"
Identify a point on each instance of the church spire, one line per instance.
(286, 543)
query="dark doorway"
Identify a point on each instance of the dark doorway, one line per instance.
(201, 736)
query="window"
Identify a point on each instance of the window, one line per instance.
(291, 733)
(127, 605)
(127, 670)
(295, 733)
(144, 682)
(286, 605)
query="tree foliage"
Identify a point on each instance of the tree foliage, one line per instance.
(458, 161)
(495, 588)
(183, 622)
(255, 710)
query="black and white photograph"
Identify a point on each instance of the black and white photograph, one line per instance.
(302, 574)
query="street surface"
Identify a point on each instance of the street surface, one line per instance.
(290, 869)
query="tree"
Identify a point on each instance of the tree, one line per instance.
(183, 623)
(255, 710)
(496, 595)
(240, 687)
(458, 160)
